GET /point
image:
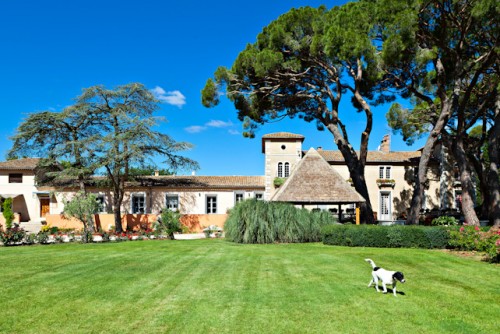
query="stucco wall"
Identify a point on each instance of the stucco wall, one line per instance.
(131, 222)
(26, 204)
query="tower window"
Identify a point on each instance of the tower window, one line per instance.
(287, 169)
(280, 169)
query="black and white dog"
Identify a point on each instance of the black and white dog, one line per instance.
(385, 276)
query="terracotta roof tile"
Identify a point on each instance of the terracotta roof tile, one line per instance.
(373, 156)
(213, 182)
(20, 164)
(282, 135)
(315, 181)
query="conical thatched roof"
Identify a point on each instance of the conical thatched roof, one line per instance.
(315, 181)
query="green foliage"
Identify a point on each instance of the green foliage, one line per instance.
(8, 214)
(385, 236)
(83, 207)
(253, 221)
(170, 222)
(444, 220)
(278, 181)
(148, 171)
(12, 236)
(472, 238)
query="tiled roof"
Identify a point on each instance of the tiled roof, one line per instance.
(179, 181)
(374, 156)
(314, 181)
(282, 135)
(20, 164)
(212, 182)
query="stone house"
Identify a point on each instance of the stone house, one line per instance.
(316, 179)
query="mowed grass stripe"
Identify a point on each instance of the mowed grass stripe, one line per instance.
(213, 286)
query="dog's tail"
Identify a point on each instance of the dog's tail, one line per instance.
(371, 262)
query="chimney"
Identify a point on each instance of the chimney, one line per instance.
(157, 172)
(385, 144)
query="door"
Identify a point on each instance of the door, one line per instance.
(385, 206)
(44, 206)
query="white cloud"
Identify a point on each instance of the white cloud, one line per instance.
(195, 129)
(212, 124)
(175, 98)
(219, 124)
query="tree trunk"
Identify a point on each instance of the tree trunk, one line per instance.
(357, 173)
(466, 182)
(117, 212)
(366, 210)
(493, 174)
(421, 181)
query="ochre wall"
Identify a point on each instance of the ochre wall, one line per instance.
(134, 222)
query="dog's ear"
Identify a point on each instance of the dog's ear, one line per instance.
(399, 276)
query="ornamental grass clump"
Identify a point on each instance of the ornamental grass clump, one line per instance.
(259, 222)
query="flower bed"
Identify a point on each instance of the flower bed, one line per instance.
(473, 238)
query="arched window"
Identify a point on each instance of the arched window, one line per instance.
(287, 169)
(280, 169)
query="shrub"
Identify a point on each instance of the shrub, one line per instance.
(385, 236)
(261, 222)
(169, 222)
(445, 221)
(8, 214)
(471, 238)
(43, 237)
(12, 236)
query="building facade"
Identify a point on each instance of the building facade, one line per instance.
(205, 200)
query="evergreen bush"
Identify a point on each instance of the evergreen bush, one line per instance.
(8, 214)
(385, 236)
(259, 222)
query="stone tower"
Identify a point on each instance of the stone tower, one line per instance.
(283, 150)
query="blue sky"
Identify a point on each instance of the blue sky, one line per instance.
(52, 49)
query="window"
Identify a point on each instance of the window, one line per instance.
(384, 172)
(212, 204)
(172, 202)
(16, 178)
(238, 197)
(138, 203)
(280, 169)
(259, 196)
(102, 203)
(287, 169)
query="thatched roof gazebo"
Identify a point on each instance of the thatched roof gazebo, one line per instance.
(314, 181)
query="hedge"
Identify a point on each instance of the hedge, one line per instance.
(385, 236)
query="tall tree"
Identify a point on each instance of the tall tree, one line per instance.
(302, 65)
(126, 136)
(59, 135)
(110, 130)
(437, 52)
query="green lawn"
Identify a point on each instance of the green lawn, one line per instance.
(214, 286)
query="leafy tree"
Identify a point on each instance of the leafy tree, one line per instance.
(148, 170)
(8, 214)
(83, 207)
(105, 130)
(437, 52)
(301, 65)
(59, 135)
(126, 135)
